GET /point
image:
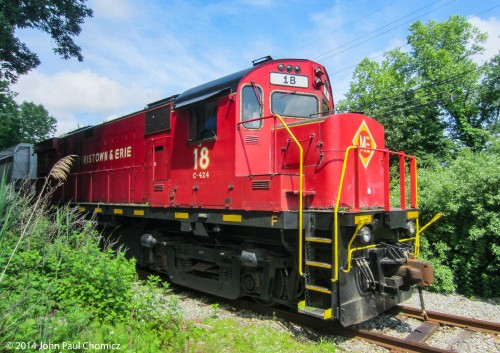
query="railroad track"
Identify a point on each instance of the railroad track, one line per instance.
(415, 341)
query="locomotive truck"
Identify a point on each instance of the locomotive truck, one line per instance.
(251, 186)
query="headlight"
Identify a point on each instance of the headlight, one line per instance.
(365, 234)
(410, 228)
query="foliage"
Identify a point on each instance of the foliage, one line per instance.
(27, 122)
(438, 103)
(157, 314)
(466, 239)
(429, 98)
(490, 97)
(62, 20)
(8, 115)
(60, 273)
(98, 280)
(59, 285)
(437, 256)
(35, 123)
(227, 335)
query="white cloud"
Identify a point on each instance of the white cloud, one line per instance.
(67, 95)
(329, 19)
(120, 10)
(492, 27)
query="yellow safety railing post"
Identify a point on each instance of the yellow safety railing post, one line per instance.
(336, 216)
(301, 167)
(417, 235)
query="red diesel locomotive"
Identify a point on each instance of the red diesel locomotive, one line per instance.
(249, 185)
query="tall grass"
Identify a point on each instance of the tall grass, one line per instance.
(59, 173)
(62, 282)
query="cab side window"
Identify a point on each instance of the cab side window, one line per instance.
(203, 121)
(251, 106)
(325, 110)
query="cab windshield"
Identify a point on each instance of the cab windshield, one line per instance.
(294, 104)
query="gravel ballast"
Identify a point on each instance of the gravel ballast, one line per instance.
(196, 307)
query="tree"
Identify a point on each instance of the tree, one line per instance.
(36, 123)
(61, 19)
(387, 92)
(8, 117)
(490, 95)
(444, 56)
(428, 98)
(28, 122)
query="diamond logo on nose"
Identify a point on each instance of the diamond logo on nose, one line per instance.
(366, 143)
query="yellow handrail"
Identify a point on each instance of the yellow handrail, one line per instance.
(301, 167)
(434, 219)
(336, 216)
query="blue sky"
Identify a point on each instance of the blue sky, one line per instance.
(139, 51)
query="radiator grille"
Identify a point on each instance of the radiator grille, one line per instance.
(159, 187)
(261, 184)
(158, 120)
(251, 140)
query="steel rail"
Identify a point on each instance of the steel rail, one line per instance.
(449, 319)
(335, 328)
(395, 344)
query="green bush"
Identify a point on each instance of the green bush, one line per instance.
(84, 275)
(157, 317)
(466, 240)
(443, 275)
(59, 273)
(58, 285)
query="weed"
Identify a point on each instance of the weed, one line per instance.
(215, 310)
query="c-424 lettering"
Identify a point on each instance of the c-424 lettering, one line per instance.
(201, 175)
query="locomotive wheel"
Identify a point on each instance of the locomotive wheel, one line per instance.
(278, 284)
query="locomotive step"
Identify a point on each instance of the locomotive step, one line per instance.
(315, 312)
(319, 240)
(318, 264)
(318, 289)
